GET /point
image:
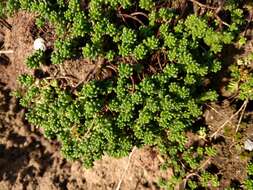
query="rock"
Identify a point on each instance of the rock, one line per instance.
(39, 44)
(248, 145)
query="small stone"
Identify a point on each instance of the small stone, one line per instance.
(248, 145)
(39, 44)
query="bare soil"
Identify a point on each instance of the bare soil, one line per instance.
(230, 163)
(20, 41)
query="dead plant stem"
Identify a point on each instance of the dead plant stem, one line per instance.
(217, 10)
(6, 52)
(229, 119)
(125, 171)
(242, 114)
(203, 5)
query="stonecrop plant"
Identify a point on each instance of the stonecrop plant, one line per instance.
(242, 78)
(155, 96)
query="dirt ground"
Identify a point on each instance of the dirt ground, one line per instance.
(29, 161)
(20, 41)
(228, 164)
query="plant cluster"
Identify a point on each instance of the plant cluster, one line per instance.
(36, 59)
(249, 181)
(241, 85)
(137, 106)
(122, 28)
(242, 78)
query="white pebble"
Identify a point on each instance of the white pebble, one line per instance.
(248, 145)
(39, 44)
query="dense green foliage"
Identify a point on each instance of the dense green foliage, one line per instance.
(139, 105)
(36, 59)
(102, 30)
(249, 180)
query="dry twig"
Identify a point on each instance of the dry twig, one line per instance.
(139, 13)
(134, 18)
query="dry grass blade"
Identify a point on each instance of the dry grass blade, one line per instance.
(229, 119)
(6, 52)
(221, 21)
(125, 171)
(241, 116)
(134, 18)
(139, 13)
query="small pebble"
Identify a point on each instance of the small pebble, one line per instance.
(39, 44)
(248, 145)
